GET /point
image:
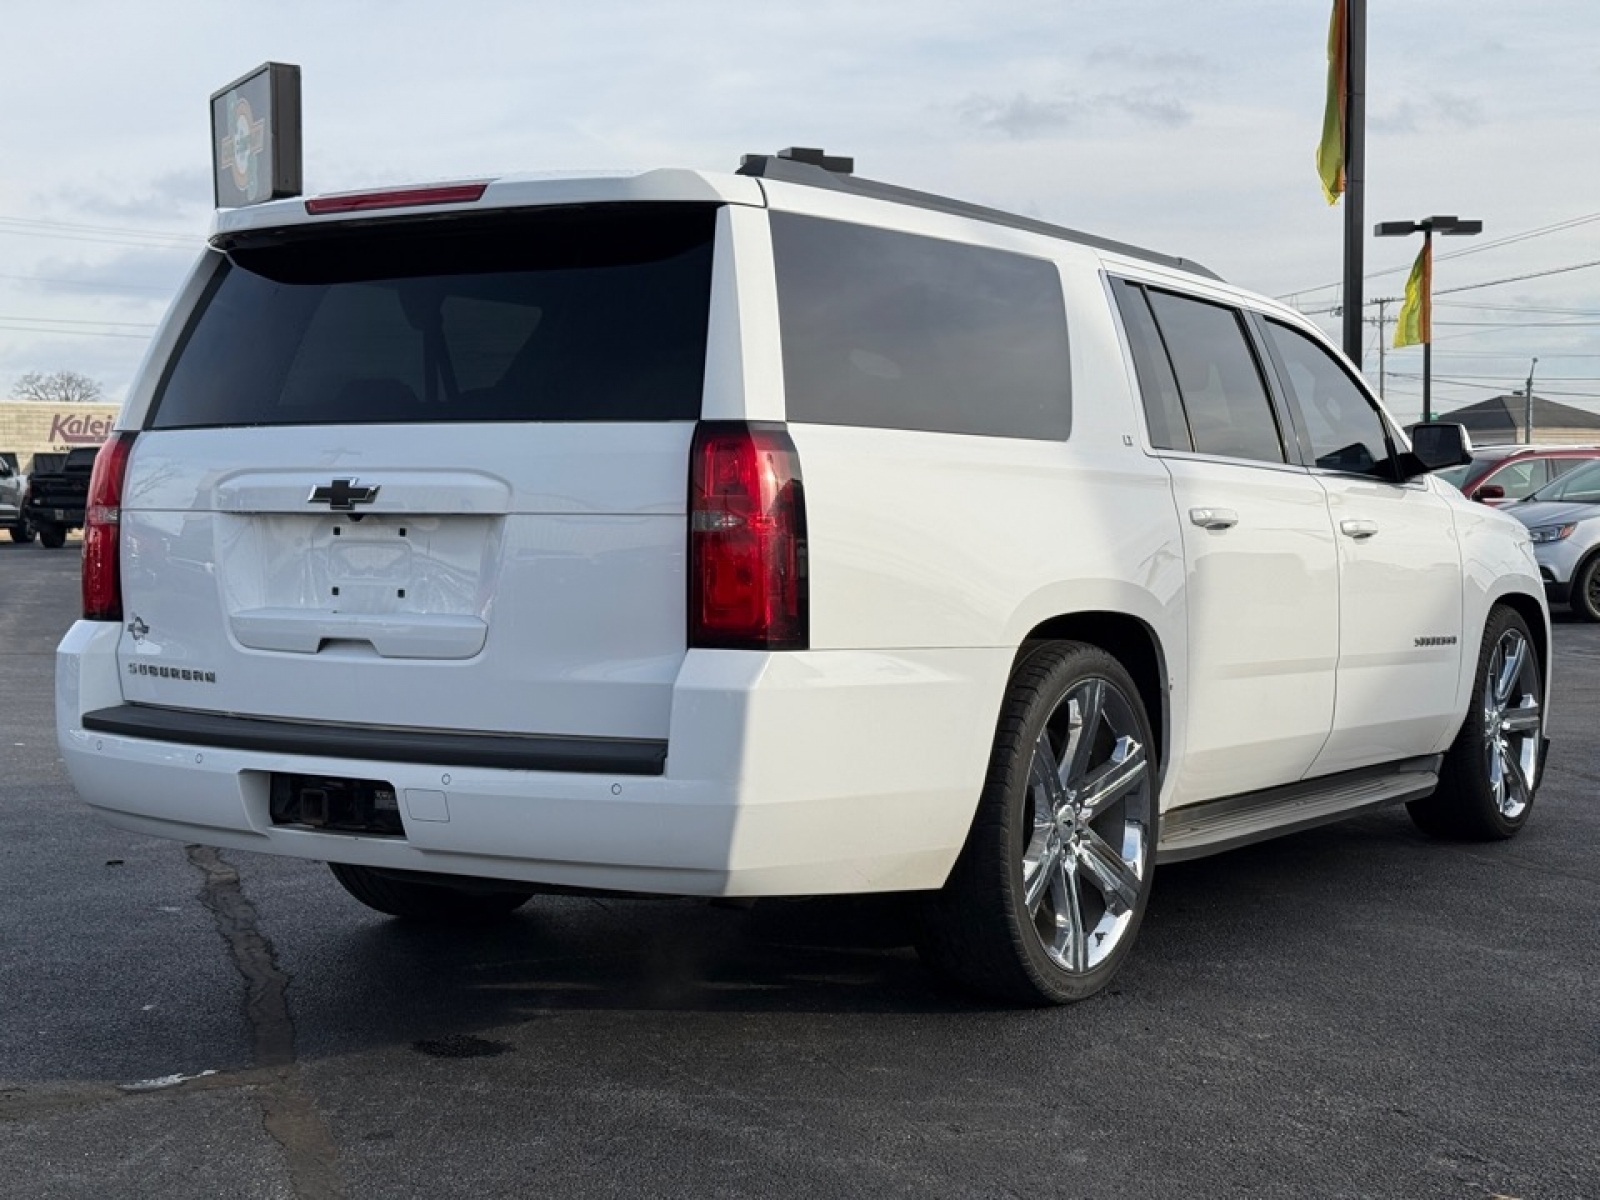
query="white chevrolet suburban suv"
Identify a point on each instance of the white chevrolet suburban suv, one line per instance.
(775, 533)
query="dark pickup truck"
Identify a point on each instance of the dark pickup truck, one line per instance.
(58, 491)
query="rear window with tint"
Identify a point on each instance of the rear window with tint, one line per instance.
(566, 315)
(899, 331)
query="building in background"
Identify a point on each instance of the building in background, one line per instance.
(1500, 422)
(29, 427)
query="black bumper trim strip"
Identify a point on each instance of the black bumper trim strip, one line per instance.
(508, 752)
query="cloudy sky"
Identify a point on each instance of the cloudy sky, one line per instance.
(1184, 125)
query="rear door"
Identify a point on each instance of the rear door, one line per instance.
(1262, 584)
(427, 474)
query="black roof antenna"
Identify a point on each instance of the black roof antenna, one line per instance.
(811, 156)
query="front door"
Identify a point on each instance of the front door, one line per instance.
(1401, 639)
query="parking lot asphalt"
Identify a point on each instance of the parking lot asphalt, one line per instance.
(1351, 1012)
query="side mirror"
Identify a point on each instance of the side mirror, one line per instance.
(1437, 445)
(1489, 491)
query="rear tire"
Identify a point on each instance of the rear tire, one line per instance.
(423, 899)
(52, 536)
(1491, 772)
(1044, 902)
(1584, 597)
(21, 532)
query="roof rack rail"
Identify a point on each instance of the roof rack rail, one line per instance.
(814, 168)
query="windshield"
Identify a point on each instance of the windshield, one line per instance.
(1455, 476)
(1575, 487)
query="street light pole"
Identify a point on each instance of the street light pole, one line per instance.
(1427, 344)
(1355, 172)
(1451, 226)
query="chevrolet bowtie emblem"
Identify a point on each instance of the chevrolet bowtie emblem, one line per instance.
(342, 494)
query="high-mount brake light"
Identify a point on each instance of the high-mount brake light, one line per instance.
(102, 530)
(448, 193)
(747, 539)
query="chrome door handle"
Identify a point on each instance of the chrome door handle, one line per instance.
(1360, 530)
(1214, 518)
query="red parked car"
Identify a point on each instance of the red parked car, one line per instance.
(1499, 474)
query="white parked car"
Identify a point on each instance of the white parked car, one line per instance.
(1563, 519)
(768, 534)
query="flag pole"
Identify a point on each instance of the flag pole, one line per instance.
(1355, 152)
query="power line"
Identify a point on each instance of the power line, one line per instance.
(147, 325)
(143, 337)
(1467, 287)
(1522, 324)
(1542, 231)
(87, 283)
(124, 230)
(1510, 355)
(1533, 308)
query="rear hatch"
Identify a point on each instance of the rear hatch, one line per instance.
(427, 474)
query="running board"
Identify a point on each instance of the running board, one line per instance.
(1234, 821)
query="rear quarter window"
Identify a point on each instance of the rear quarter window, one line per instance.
(898, 331)
(565, 315)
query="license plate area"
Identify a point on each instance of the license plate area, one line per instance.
(331, 804)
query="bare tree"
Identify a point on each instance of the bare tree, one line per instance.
(59, 387)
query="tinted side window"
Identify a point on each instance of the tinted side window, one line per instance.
(1163, 409)
(1580, 486)
(1345, 431)
(560, 315)
(1226, 401)
(1520, 478)
(1560, 466)
(899, 331)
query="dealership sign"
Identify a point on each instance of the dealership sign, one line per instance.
(79, 429)
(255, 137)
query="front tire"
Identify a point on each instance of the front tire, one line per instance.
(1491, 772)
(424, 898)
(52, 536)
(1584, 597)
(22, 532)
(1043, 905)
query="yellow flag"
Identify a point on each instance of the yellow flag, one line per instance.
(1415, 323)
(1330, 151)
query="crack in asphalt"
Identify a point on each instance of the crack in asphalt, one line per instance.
(287, 1112)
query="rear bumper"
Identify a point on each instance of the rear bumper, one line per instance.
(784, 774)
(45, 513)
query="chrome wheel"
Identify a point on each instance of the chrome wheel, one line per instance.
(1089, 810)
(1512, 723)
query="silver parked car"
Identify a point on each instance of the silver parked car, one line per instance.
(13, 487)
(1563, 518)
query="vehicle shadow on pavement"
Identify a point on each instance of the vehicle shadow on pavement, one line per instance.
(841, 955)
(846, 954)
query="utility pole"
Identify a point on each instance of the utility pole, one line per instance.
(1527, 407)
(1382, 322)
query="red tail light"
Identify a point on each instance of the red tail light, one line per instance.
(102, 528)
(444, 193)
(747, 539)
